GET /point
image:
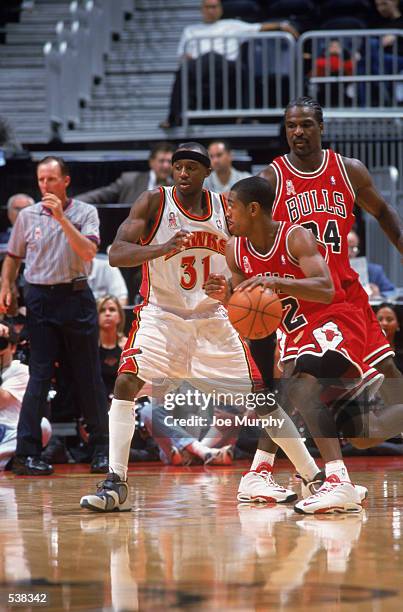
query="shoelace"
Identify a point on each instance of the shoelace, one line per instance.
(312, 485)
(101, 485)
(325, 488)
(270, 480)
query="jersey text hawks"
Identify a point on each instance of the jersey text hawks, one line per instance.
(203, 240)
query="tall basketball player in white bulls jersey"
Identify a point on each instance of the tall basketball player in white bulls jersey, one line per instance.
(318, 189)
(178, 234)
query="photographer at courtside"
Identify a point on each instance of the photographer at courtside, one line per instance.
(13, 382)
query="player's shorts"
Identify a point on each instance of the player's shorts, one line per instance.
(377, 348)
(164, 349)
(340, 329)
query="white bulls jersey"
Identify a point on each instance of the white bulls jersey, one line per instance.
(175, 281)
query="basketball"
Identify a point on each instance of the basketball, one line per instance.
(255, 314)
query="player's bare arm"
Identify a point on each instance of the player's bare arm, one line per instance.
(126, 251)
(316, 287)
(368, 198)
(217, 286)
(269, 174)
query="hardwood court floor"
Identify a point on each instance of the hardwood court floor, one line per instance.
(187, 545)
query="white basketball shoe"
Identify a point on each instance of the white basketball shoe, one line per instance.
(112, 496)
(309, 487)
(259, 486)
(333, 496)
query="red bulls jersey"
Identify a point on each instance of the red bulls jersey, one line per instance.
(279, 262)
(321, 201)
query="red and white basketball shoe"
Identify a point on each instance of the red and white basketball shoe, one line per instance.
(333, 496)
(259, 486)
(309, 487)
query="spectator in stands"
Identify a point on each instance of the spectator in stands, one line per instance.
(389, 18)
(191, 48)
(13, 382)
(379, 282)
(127, 188)
(177, 445)
(15, 203)
(58, 238)
(105, 280)
(111, 321)
(388, 318)
(385, 60)
(224, 174)
(334, 61)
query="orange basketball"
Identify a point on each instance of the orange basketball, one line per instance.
(255, 314)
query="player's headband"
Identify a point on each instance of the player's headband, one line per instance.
(194, 155)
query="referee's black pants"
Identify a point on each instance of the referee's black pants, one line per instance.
(59, 317)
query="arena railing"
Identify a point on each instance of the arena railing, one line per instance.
(351, 73)
(377, 245)
(257, 80)
(76, 57)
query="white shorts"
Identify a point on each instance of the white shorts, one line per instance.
(164, 350)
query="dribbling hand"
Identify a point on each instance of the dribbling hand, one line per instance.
(265, 282)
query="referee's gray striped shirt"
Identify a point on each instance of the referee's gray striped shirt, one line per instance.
(39, 239)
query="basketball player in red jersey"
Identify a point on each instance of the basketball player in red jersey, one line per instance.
(327, 331)
(178, 234)
(318, 189)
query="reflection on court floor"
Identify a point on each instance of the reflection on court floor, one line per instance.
(188, 545)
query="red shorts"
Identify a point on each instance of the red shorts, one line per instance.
(341, 328)
(377, 347)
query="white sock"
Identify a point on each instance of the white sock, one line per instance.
(122, 422)
(288, 439)
(337, 467)
(262, 456)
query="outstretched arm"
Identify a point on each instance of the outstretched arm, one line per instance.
(126, 252)
(368, 198)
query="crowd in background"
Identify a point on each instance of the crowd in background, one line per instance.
(218, 60)
(323, 14)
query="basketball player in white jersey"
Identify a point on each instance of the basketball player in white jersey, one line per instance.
(178, 234)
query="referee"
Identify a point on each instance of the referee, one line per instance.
(57, 238)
